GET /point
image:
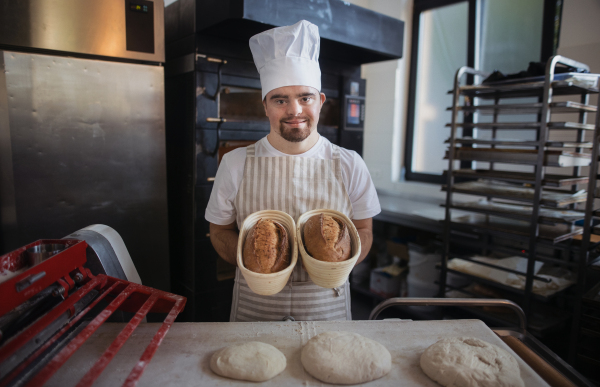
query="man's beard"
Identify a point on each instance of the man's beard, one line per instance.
(295, 134)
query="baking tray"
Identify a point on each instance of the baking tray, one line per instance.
(522, 156)
(523, 125)
(528, 108)
(520, 212)
(563, 84)
(512, 228)
(553, 198)
(184, 356)
(506, 142)
(521, 177)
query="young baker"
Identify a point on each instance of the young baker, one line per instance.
(293, 169)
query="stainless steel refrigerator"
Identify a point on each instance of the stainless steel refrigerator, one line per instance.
(82, 126)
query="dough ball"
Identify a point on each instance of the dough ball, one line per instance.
(254, 361)
(470, 362)
(345, 358)
(326, 238)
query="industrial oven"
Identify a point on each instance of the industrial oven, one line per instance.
(213, 105)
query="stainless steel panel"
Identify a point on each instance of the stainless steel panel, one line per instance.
(88, 146)
(8, 216)
(79, 26)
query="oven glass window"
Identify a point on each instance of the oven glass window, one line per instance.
(330, 113)
(241, 104)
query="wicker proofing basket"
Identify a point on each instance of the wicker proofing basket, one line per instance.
(328, 274)
(268, 284)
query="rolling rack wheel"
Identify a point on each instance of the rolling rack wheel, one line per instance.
(555, 371)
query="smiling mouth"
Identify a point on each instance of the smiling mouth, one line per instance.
(295, 122)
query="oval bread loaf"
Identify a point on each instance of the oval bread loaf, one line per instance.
(266, 249)
(326, 238)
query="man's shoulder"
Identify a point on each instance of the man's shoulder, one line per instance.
(236, 153)
(234, 159)
(350, 157)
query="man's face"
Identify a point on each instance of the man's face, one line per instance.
(293, 111)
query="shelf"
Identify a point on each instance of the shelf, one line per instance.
(528, 108)
(459, 238)
(550, 198)
(493, 266)
(506, 288)
(517, 143)
(514, 228)
(592, 297)
(497, 125)
(567, 84)
(571, 125)
(520, 177)
(523, 125)
(520, 212)
(522, 156)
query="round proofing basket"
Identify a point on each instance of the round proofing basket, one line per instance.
(268, 284)
(328, 274)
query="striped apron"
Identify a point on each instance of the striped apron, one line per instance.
(293, 185)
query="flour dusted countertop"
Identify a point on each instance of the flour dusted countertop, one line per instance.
(183, 358)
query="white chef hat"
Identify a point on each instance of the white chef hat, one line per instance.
(287, 56)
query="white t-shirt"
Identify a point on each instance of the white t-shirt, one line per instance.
(355, 175)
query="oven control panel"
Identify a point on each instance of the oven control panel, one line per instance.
(354, 113)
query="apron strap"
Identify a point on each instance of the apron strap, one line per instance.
(336, 157)
(251, 150)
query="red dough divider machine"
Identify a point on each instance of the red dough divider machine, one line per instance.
(54, 294)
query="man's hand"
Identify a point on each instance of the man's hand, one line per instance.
(225, 240)
(365, 232)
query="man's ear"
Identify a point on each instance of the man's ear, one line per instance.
(264, 102)
(323, 98)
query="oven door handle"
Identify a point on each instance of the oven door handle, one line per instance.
(219, 121)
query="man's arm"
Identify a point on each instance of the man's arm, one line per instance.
(365, 232)
(225, 240)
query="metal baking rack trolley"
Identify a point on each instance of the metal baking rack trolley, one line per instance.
(525, 150)
(52, 304)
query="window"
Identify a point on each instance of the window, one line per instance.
(488, 35)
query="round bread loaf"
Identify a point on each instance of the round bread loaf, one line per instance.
(326, 238)
(267, 248)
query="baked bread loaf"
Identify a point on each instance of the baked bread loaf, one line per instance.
(266, 249)
(326, 238)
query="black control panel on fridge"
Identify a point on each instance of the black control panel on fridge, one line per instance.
(139, 25)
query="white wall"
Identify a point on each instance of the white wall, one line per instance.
(387, 94)
(580, 32)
